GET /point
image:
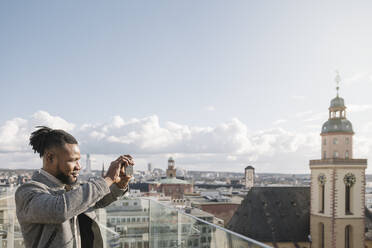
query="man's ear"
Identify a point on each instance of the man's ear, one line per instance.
(50, 157)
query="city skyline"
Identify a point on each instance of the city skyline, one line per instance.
(217, 86)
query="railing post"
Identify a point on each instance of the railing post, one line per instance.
(179, 228)
(11, 216)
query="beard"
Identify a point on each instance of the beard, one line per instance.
(68, 180)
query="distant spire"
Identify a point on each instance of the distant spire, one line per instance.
(337, 80)
(103, 170)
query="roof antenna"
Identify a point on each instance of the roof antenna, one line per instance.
(337, 80)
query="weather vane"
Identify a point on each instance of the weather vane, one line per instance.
(338, 80)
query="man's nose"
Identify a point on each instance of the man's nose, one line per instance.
(78, 167)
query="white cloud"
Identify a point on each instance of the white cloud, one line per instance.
(356, 77)
(209, 108)
(359, 77)
(42, 118)
(13, 135)
(227, 146)
(298, 97)
(316, 117)
(367, 128)
(278, 122)
(304, 113)
(359, 108)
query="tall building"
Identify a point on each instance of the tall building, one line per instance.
(171, 186)
(149, 168)
(337, 185)
(328, 214)
(88, 168)
(171, 170)
(249, 177)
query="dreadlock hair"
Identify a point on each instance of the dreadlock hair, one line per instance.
(45, 138)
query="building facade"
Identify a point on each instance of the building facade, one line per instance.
(337, 212)
(171, 186)
(249, 177)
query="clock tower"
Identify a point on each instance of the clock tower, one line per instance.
(337, 184)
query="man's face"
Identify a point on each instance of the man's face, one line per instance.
(68, 165)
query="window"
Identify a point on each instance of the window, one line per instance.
(335, 141)
(348, 236)
(347, 199)
(321, 235)
(349, 181)
(324, 155)
(347, 140)
(335, 154)
(321, 181)
(196, 242)
(324, 141)
(322, 189)
(347, 154)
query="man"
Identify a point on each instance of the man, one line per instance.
(52, 209)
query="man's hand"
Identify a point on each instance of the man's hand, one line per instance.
(117, 168)
(124, 178)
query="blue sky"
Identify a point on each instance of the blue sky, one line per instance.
(269, 65)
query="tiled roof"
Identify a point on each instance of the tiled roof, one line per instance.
(274, 214)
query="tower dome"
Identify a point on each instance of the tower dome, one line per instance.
(337, 102)
(337, 131)
(337, 121)
(336, 126)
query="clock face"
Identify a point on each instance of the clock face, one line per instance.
(322, 179)
(349, 179)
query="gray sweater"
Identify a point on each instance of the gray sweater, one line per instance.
(45, 211)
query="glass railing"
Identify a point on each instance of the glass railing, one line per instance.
(10, 232)
(139, 223)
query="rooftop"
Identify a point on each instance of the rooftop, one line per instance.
(274, 214)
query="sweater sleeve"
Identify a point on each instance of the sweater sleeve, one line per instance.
(115, 192)
(35, 204)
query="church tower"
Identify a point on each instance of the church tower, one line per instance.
(171, 170)
(337, 185)
(249, 177)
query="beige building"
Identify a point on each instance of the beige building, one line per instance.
(249, 177)
(337, 185)
(171, 170)
(329, 214)
(172, 186)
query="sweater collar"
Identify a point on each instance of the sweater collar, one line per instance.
(47, 178)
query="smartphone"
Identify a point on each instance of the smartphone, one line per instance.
(129, 170)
